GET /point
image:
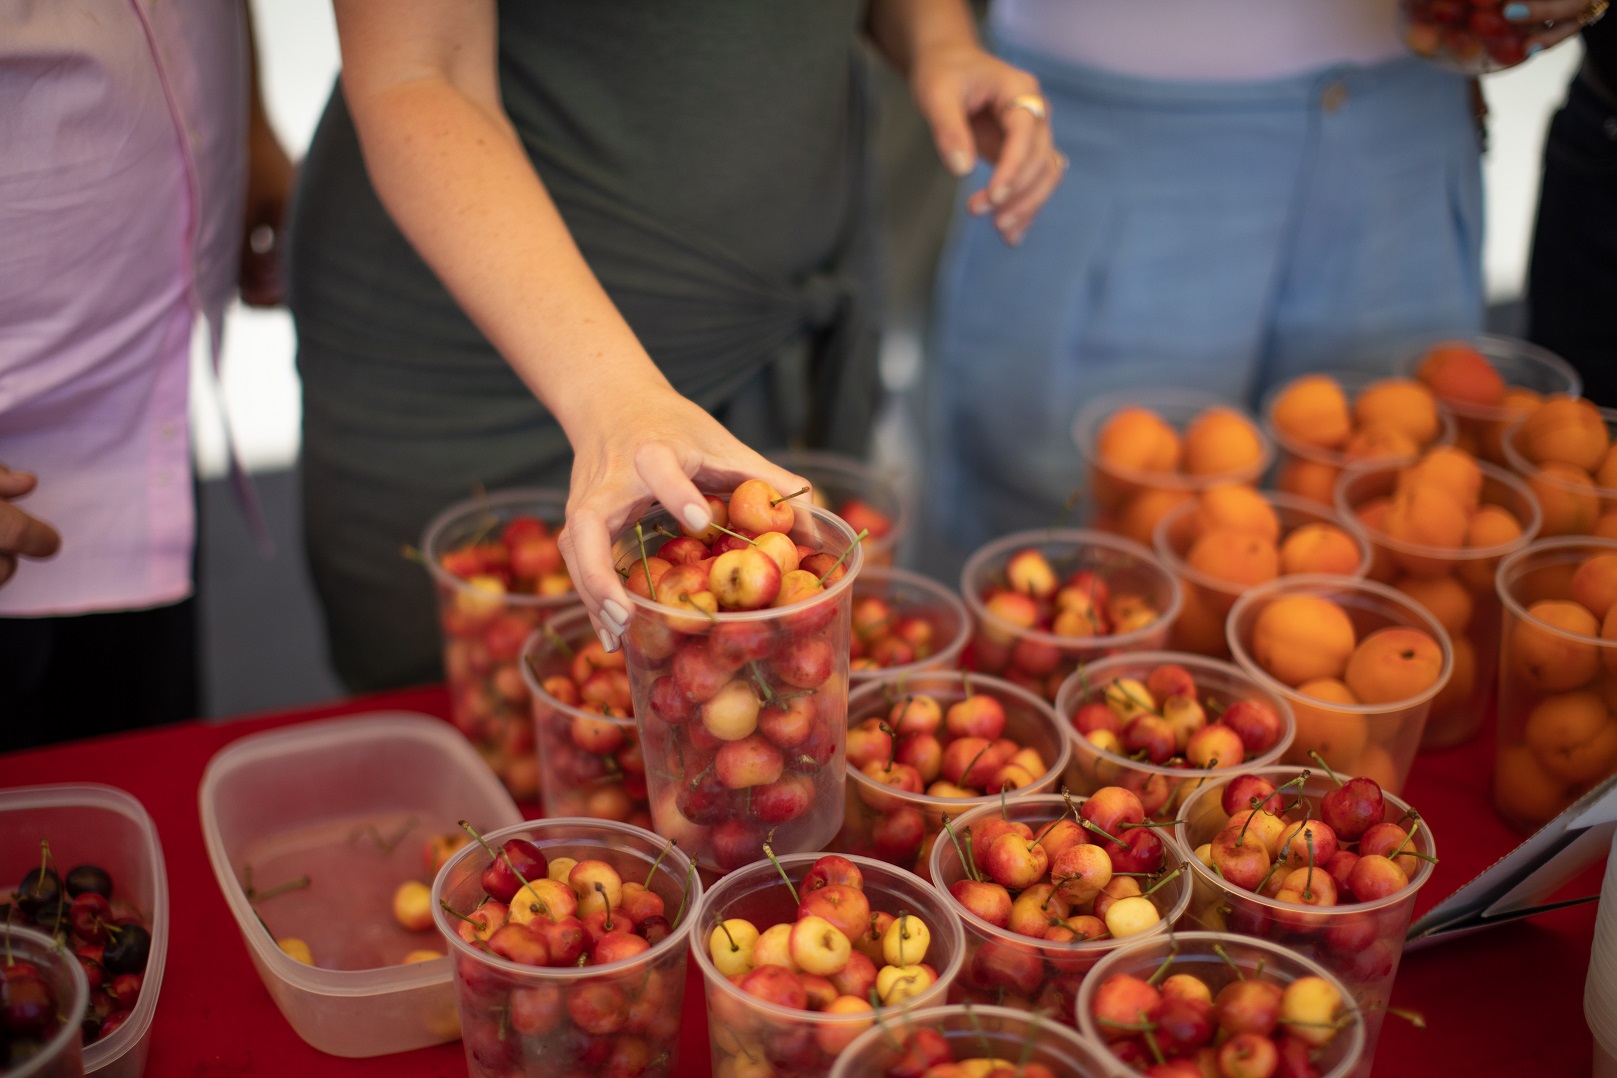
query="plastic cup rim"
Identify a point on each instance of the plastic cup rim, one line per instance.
(1499, 342)
(1465, 555)
(1525, 468)
(541, 638)
(1549, 545)
(79, 986)
(1352, 382)
(1089, 419)
(431, 535)
(935, 589)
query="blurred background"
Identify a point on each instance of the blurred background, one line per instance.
(262, 637)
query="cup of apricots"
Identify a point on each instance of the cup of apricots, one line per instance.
(1323, 422)
(1149, 450)
(1043, 601)
(1359, 662)
(1487, 383)
(1161, 723)
(1228, 538)
(1564, 450)
(1557, 676)
(1439, 524)
(904, 623)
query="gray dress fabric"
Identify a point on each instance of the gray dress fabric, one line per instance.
(708, 158)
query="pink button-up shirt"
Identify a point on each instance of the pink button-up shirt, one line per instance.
(122, 178)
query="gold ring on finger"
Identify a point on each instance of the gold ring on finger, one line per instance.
(1034, 104)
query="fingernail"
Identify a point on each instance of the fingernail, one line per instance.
(1535, 48)
(1516, 12)
(1006, 223)
(608, 641)
(1015, 240)
(998, 195)
(615, 611)
(696, 517)
(959, 162)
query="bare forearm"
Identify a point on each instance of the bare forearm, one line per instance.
(905, 30)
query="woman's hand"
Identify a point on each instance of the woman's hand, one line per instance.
(980, 106)
(21, 535)
(1558, 19)
(662, 448)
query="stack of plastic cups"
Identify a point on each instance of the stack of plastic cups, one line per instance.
(1600, 988)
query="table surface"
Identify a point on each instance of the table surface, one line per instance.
(1506, 1001)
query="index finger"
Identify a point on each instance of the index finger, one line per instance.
(587, 549)
(26, 535)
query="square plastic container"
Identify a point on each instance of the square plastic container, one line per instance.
(93, 824)
(295, 795)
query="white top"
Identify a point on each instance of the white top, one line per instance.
(1204, 40)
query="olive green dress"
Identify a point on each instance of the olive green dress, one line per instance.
(708, 157)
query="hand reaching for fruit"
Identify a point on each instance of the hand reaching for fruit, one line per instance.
(661, 449)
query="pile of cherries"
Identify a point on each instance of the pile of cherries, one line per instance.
(110, 942)
(593, 762)
(885, 636)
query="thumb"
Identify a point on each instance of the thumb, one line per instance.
(15, 484)
(944, 110)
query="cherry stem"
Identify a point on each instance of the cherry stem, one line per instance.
(443, 903)
(982, 1034)
(654, 864)
(1128, 694)
(1135, 1027)
(600, 889)
(1147, 892)
(1308, 881)
(1218, 949)
(971, 856)
(1414, 1018)
(1091, 825)
(769, 853)
(737, 535)
(965, 683)
(685, 896)
(499, 854)
(718, 923)
(1165, 824)
(279, 889)
(892, 744)
(1038, 838)
(1320, 760)
(965, 861)
(904, 933)
(974, 760)
(788, 497)
(1407, 840)
(1162, 970)
(856, 541)
(1272, 870)
(645, 561)
(1149, 1033)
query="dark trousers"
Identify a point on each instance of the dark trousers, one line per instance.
(69, 677)
(1572, 279)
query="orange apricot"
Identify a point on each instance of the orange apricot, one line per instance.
(1338, 736)
(1425, 514)
(1444, 597)
(1401, 403)
(1572, 737)
(1140, 515)
(1595, 584)
(1199, 628)
(1320, 547)
(1312, 410)
(1380, 440)
(1235, 557)
(1606, 475)
(1526, 792)
(1491, 526)
(1565, 429)
(1235, 505)
(1373, 515)
(1567, 498)
(1222, 441)
(1375, 763)
(1606, 526)
(1457, 372)
(1393, 664)
(1548, 659)
(1138, 440)
(1608, 631)
(1519, 401)
(1309, 479)
(1456, 692)
(1299, 638)
(1453, 469)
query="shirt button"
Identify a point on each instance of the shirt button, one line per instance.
(167, 431)
(1334, 97)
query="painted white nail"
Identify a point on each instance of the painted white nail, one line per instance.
(696, 517)
(608, 641)
(615, 611)
(959, 162)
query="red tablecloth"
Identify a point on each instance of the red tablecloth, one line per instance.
(1508, 1001)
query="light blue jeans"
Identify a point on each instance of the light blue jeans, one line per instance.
(1216, 236)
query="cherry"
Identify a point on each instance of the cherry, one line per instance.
(128, 951)
(26, 1004)
(91, 879)
(519, 860)
(1353, 808)
(40, 887)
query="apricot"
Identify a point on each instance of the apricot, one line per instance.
(1551, 661)
(1320, 547)
(1594, 585)
(1380, 440)
(1338, 736)
(1236, 505)
(1199, 628)
(1142, 513)
(1519, 401)
(1444, 597)
(1235, 557)
(1376, 763)
(1566, 429)
(1525, 791)
(1572, 737)
(1298, 638)
(1313, 410)
(1606, 526)
(1136, 439)
(1453, 469)
(1425, 514)
(1462, 677)
(1458, 373)
(1606, 475)
(1222, 441)
(1567, 498)
(1491, 527)
(1608, 632)
(1373, 515)
(1392, 665)
(1401, 403)
(1309, 479)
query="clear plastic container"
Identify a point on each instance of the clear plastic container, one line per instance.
(614, 1018)
(1310, 471)
(1235, 957)
(687, 693)
(1457, 586)
(1572, 502)
(745, 1028)
(62, 1056)
(331, 799)
(1522, 365)
(1040, 660)
(484, 633)
(1159, 787)
(857, 492)
(1557, 730)
(909, 595)
(1377, 741)
(1470, 38)
(899, 827)
(589, 764)
(98, 825)
(1130, 502)
(1208, 599)
(1360, 942)
(977, 1032)
(1006, 967)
